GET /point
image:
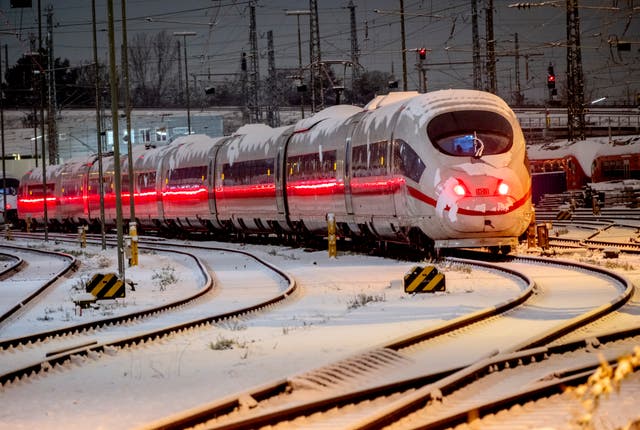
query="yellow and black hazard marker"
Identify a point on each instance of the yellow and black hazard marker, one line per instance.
(424, 280)
(107, 286)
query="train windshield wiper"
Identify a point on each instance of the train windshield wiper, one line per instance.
(478, 146)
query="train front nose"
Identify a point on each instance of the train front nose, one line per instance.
(478, 203)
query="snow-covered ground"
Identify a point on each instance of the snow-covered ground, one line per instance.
(343, 306)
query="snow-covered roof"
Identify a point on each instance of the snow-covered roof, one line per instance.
(585, 151)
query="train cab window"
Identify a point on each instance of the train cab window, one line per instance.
(406, 162)
(470, 133)
(10, 188)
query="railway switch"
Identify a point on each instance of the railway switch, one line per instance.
(424, 280)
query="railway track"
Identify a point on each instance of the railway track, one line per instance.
(44, 350)
(357, 392)
(32, 274)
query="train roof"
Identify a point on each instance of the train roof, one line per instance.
(332, 112)
(585, 151)
(387, 99)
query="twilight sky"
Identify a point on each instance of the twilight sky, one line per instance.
(443, 27)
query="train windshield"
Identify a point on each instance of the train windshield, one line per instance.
(9, 187)
(470, 133)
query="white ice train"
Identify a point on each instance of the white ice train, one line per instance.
(444, 169)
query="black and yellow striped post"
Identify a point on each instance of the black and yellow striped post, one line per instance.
(133, 233)
(331, 235)
(82, 236)
(106, 286)
(424, 280)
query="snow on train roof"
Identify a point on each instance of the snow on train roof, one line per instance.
(387, 99)
(333, 112)
(585, 151)
(191, 147)
(251, 139)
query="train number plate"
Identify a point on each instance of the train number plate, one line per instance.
(482, 191)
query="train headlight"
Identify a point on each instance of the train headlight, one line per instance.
(459, 189)
(503, 189)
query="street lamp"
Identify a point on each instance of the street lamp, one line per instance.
(184, 35)
(297, 13)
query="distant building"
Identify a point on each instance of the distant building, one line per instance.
(76, 131)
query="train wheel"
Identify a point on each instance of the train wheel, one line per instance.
(424, 244)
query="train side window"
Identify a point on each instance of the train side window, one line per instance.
(456, 133)
(247, 172)
(406, 162)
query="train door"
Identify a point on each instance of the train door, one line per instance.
(625, 168)
(280, 174)
(347, 177)
(348, 161)
(212, 183)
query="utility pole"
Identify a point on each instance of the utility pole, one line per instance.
(355, 51)
(54, 156)
(491, 49)
(179, 51)
(127, 111)
(273, 110)
(116, 143)
(254, 71)
(475, 43)
(44, 161)
(246, 115)
(575, 78)
(518, 94)
(96, 65)
(301, 85)
(315, 59)
(4, 168)
(404, 47)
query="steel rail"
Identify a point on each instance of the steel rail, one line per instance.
(217, 408)
(72, 266)
(58, 359)
(425, 385)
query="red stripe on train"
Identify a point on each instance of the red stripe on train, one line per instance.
(413, 192)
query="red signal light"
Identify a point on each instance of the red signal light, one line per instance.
(422, 52)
